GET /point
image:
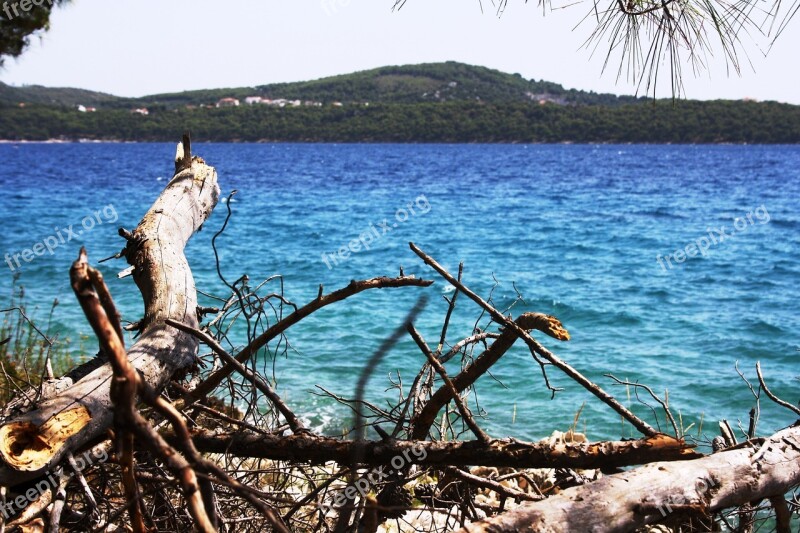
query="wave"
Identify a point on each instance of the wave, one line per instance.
(581, 315)
(784, 267)
(660, 212)
(760, 326)
(783, 223)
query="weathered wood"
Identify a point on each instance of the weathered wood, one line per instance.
(504, 452)
(533, 344)
(528, 321)
(34, 442)
(624, 502)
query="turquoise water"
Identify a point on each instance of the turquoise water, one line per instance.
(576, 229)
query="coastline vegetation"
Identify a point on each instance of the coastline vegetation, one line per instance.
(448, 122)
(430, 103)
(28, 355)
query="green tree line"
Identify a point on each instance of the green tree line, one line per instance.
(448, 122)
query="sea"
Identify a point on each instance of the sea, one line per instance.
(676, 267)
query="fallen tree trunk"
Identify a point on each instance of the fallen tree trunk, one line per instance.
(624, 502)
(306, 447)
(34, 442)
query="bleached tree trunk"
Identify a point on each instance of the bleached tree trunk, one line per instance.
(30, 444)
(624, 502)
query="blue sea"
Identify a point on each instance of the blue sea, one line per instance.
(667, 264)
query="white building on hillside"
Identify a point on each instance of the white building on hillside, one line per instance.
(228, 102)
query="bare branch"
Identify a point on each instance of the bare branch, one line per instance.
(355, 287)
(782, 403)
(609, 400)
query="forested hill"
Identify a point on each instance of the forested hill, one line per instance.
(442, 102)
(431, 82)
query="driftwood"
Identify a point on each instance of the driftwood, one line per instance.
(38, 440)
(528, 321)
(270, 455)
(126, 387)
(499, 452)
(536, 348)
(624, 502)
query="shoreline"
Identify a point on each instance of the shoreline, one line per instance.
(410, 143)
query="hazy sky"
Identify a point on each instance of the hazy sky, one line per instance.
(138, 47)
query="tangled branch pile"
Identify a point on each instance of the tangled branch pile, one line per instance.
(156, 437)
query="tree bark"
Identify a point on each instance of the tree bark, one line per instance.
(34, 442)
(624, 502)
(505, 452)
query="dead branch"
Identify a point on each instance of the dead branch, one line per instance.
(451, 306)
(499, 452)
(492, 485)
(452, 392)
(257, 382)
(473, 339)
(125, 388)
(783, 517)
(355, 287)
(128, 421)
(623, 502)
(528, 321)
(606, 398)
(771, 396)
(186, 444)
(58, 506)
(39, 439)
(663, 403)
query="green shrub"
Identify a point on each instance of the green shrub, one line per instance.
(28, 354)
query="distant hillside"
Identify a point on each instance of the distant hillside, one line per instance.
(432, 82)
(36, 94)
(435, 82)
(441, 102)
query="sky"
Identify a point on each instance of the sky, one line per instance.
(140, 47)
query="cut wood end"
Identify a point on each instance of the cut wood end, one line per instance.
(546, 324)
(555, 329)
(127, 272)
(27, 447)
